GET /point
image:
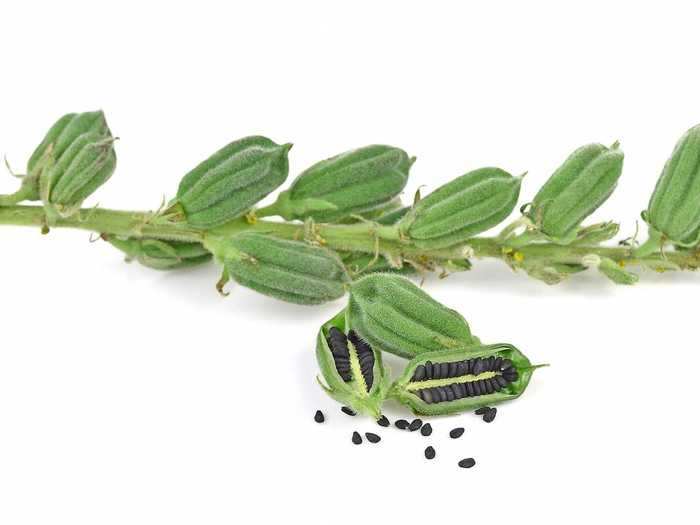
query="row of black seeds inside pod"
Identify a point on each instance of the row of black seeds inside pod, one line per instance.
(338, 344)
(466, 372)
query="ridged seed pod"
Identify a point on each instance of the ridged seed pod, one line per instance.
(575, 190)
(232, 180)
(86, 164)
(354, 182)
(161, 255)
(293, 271)
(352, 371)
(674, 207)
(62, 134)
(462, 208)
(394, 315)
(453, 381)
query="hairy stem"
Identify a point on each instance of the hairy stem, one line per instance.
(364, 237)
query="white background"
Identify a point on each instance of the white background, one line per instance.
(132, 396)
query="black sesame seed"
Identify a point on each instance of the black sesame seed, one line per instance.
(467, 463)
(502, 382)
(491, 362)
(453, 369)
(415, 425)
(318, 417)
(372, 438)
(470, 388)
(461, 368)
(383, 421)
(478, 366)
(490, 415)
(429, 452)
(349, 411)
(428, 370)
(401, 424)
(426, 429)
(481, 411)
(510, 375)
(456, 432)
(444, 369)
(426, 395)
(419, 373)
(356, 438)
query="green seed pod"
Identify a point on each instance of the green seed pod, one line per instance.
(292, 271)
(461, 209)
(62, 134)
(86, 164)
(575, 190)
(674, 209)
(161, 255)
(453, 381)
(55, 143)
(232, 180)
(352, 370)
(394, 315)
(354, 182)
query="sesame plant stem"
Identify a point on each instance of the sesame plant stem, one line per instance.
(363, 237)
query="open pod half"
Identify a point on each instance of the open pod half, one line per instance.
(452, 381)
(352, 370)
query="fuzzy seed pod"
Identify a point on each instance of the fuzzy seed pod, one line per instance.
(462, 208)
(394, 315)
(354, 182)
(352, 371)
(62, 134)
(453, 381)
(293, 271)
(575, 190)
(232, 180)
(674, 207)
(161, 255)
(85, 165)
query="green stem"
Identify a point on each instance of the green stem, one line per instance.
(364, 237)
(26, 191)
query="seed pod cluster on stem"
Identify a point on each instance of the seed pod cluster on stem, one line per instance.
(345, 217)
